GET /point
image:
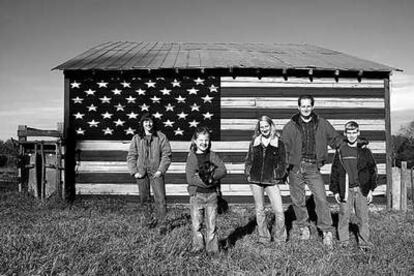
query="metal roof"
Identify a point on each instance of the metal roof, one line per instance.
(123, 55)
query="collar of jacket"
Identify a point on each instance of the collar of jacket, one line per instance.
(274, 141)
(296, 119)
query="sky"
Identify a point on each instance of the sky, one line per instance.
(38, 35)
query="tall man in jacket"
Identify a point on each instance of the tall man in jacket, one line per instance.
(306, 137)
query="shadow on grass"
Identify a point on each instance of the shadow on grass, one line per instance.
(238, 234)
(313, 218)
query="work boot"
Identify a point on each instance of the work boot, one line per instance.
(304, 233)
(327, 240)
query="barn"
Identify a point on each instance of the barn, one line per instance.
(225, 86)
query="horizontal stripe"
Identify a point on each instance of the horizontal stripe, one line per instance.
(175, 167)
(295, 92)
(182, 156)
(124, 178)
(227, 190)
(244, 124)
(183, 146)
(292, 102)
(356, 114)
(242, 135)
(297, 82)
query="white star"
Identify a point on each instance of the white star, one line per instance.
(179, 131)
(119, 107)
(207, 115)
(169, 107)
(194, 123)
(213, 88)
(105, 99)
(102, 84)
(80, 131)
(168, 123)
(155, 99)
(90, 92)
(106, 115)
(92, 107)
(130, 99)
(116, 91)
(107, 131)
(140, 91)
(182, 115)
(195, 107)
(126, 84)
(165, 91)
(93, 123)
(207, 98)
(180, 99)
(78, 115)
(144, 107)
(132, 115)
(157, 115)
(150, 84)
(130, 131)
(119, 122)
(75, 84)
(199, 81)
(176, 83)
(77, 100)
(192, 91)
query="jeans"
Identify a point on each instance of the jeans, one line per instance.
(309, 174)
(204, 207)
(279, 229)
(359, 202)
(158, 188)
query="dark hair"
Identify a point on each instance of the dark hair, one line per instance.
(146, 117)
(200, 131)
(308, 97)
(351, 125)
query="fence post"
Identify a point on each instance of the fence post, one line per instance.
(404, 183)
(396, 188)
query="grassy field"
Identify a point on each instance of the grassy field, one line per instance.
(109, 237)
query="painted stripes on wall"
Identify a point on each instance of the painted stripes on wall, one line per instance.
(102, 168)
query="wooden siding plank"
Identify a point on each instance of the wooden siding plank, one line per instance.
(292, 102)
(120, 52)
(233, 190)
(136, 56)
(93, 61)
(182, 156)
(330, 114)
(183, 146)
(128, 53)
(357, 92)
(171, 56)
(248, 82)
(175, 167)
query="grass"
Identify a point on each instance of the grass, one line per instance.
(103, 236)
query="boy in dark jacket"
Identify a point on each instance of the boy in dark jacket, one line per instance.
(353, 179)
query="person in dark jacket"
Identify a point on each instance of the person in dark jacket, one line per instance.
(353, 179)
(204, 169)
(307, 137)
(265, 168)
(148, 159)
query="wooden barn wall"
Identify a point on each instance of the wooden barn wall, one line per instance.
(101, 166)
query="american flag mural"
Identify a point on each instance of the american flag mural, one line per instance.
(104, 114)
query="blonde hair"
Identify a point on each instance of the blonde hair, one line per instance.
(273, 131)
(200, 131)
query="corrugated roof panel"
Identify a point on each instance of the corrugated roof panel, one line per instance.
(156, 55)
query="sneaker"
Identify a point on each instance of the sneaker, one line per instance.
(327, 239)
(305, 233)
